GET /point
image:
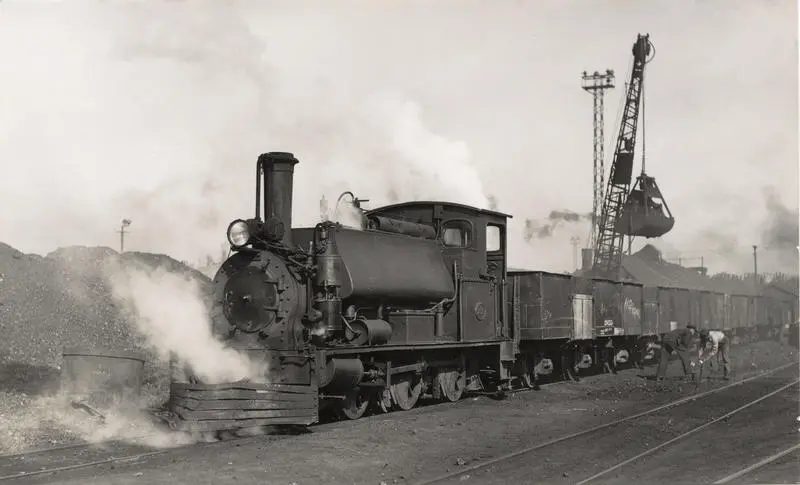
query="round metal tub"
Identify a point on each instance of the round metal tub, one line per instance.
(102, 378)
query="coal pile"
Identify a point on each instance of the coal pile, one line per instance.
(63, 299)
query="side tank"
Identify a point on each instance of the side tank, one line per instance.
(379, 265)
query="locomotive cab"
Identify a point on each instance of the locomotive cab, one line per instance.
(473, 244)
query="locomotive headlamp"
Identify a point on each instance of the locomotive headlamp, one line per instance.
(238, 233)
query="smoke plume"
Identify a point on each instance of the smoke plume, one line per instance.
(782, 230)
(544, 229)
(170, 311)
(726, 247)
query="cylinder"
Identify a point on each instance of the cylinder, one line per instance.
(278, 170)
(371, 331)
(341, 374)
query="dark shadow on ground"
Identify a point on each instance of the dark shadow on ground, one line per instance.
(33, 380)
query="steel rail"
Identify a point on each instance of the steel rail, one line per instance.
(755, 466)
(594, 429)
(688, 433)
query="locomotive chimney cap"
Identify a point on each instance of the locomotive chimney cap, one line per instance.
(278, 156)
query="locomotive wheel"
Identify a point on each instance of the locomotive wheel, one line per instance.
(354, 405)
(406, 391)
(452, 383)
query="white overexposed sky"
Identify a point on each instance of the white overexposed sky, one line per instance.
(156, 111)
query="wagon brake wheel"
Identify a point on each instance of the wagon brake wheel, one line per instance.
(354, 405)
(452, 383)
(406, 391)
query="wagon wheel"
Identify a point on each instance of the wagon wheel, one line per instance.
(406, 391)
(522, 371)
(569, 370)
(384, 401)
(354, 405)
(527, 380)
(452, 383)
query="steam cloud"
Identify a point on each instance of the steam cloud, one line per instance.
(170, 311)
(493, 202)
(349, 215)
(39, 416)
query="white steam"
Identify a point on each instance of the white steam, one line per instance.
(348, 215)
(45, 418)
(170, 312)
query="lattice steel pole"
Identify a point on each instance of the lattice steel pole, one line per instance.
(597, 84)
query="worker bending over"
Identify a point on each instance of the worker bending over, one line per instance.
(719, 347)
(677, 342)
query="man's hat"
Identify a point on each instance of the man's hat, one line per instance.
(691, 326)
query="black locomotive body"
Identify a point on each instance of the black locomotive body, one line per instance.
(414, 302)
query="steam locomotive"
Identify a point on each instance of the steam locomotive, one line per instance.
(417, 302)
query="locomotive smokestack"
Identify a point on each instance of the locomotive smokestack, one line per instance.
(278, 170)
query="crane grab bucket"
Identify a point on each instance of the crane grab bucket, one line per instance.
(645, 213)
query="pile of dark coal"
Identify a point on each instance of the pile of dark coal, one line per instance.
(65, 299)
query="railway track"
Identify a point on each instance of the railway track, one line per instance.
(49, 461)
(44, 462)
(785, 455)
(614, 438)
(687, 434)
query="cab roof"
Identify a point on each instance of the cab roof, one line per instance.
(431, 203)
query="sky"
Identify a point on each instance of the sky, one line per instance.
(157, 110)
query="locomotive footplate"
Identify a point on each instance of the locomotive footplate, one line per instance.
(290, 396)
(229, 406)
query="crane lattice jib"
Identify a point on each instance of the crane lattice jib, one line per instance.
(608, 250)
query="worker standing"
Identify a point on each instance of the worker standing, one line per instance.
(719, 347)
(677, 342)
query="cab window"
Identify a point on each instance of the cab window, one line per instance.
(493, 238)
(457, 234)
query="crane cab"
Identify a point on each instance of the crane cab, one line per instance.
(645, 212)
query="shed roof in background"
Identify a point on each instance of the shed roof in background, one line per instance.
(790, 286)
(648, 267)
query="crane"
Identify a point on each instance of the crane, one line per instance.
(643, 211)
